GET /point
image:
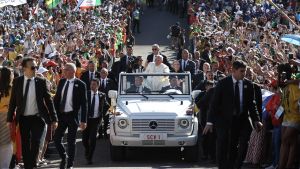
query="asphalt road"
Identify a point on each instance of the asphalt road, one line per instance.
(154, 29)
(137, 158)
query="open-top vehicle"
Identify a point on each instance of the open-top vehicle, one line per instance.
(153, 110)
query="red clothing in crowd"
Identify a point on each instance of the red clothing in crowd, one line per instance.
(272, 107)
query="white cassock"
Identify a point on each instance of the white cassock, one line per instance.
(157, 82)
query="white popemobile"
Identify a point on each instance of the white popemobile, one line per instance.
(153, 110)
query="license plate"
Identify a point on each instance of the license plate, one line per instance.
(152, 136)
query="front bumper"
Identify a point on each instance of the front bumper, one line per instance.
(170, 141)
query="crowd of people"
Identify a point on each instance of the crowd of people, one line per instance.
(63, 58)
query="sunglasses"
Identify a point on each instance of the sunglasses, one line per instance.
(34, 67)
(154, 49)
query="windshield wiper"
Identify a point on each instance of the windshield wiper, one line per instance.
(172, 97)
(144, 96)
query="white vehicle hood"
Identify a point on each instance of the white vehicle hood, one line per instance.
(157, 107)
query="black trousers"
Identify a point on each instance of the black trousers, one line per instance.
(89, 136)
(66, 121)
(136, 24)
(209, 145)
(31, 129)
(232, 143)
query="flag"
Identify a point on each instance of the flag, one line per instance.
(36, 9)
(86, 4)
(52, 3)
(12, 2)
(266, 97)
(78, 5)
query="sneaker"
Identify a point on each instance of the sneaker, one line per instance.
(271, 167)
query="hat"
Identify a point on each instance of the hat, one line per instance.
(42, 70)
(51, 64)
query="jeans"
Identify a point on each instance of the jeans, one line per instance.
(276, 142)
(6, 152)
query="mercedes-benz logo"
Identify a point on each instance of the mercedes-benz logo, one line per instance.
(153, 125)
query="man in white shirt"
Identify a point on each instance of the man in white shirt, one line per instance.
(97, 107)
(70, 98)
(32, 105)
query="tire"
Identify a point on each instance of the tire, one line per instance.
(117, 153)
(191, 153)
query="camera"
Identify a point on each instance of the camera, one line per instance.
(291, 56)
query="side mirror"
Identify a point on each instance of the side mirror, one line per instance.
(112, 94)
(195, 93)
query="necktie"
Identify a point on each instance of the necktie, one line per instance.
(64, 99)
(103, 84)
(26, 93)
(92, 76)
(93, 106)
(137, 89)
(183, 66)
(237, 98)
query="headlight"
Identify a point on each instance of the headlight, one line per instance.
(184, 123)
(122, 123)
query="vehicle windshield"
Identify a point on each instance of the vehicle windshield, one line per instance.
(155, 84)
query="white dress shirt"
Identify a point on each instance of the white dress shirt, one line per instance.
(183, 64)
(31, 103)
(69, 100)
(241, 91)
(97, 103)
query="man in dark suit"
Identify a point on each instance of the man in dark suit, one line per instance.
(198, 61)
(200, 76)
(208, 77)
(155, 52)
(138, 86)
(127, 61)
(106, 85)
(138, 65)
(70, 97)
(186, 64)
(215, 70)
(31, 100)
(97, 106)
(174, 84)
(234, 113)
(90, 74)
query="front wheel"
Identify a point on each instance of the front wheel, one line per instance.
(191, 153)
(117, 153)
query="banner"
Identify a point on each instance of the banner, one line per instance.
(89, 3)
(12, 2)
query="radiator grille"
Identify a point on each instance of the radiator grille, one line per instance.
(162, 125)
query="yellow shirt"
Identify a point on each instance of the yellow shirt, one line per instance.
(12, 55)
(291, 95)
(4, 102)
